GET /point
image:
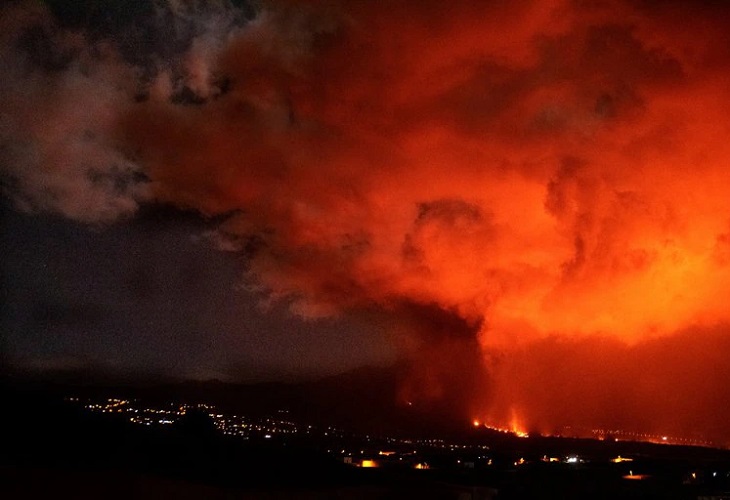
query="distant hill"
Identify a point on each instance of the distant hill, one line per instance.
(364, 399)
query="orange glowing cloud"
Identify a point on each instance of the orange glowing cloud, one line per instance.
(552, 174)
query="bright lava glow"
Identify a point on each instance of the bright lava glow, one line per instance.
(514, 427)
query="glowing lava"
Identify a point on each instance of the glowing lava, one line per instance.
(513, 428)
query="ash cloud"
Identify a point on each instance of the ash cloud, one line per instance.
(553, 172)
(60, 102)
(69, 78)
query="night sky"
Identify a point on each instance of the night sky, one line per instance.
(154, 297)
(524, 204)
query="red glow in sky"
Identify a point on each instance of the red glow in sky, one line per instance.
(554, 175)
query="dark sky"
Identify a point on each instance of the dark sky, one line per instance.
(526, 201)
(153, 296)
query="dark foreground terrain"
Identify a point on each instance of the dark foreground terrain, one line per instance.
(53, 449)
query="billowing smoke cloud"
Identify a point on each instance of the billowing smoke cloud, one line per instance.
(550, 176)
(60, 100)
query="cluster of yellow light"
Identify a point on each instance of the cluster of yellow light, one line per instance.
(620, 459)
(369, 463)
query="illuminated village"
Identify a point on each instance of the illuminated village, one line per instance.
(378, 451)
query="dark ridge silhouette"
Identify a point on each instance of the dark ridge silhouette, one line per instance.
(55, 449)
(365, 399)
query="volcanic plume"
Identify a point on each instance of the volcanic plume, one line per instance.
(535, 194)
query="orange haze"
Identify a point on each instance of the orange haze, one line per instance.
(551, 177)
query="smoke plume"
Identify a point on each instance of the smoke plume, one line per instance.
(543, 184)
